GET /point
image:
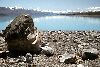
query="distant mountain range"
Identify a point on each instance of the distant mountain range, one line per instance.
(6, 11)
(94, 11)
(89, 13)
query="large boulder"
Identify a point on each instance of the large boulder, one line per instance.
(21, 35)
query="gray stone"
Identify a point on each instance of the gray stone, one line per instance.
(29, 58)
(22, 59)
(68, 58)
(80, 65)
(47, 50)
(54, 40)
(90, 54)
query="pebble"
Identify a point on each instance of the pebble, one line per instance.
(22, 59)
(80, 65)
(85, 44)
(21, 64)
(47, 50)
(29, 58)
(91, 54)
(54, 40)
(80, 46)
(68, 58)
(47, 44)
(12, 61)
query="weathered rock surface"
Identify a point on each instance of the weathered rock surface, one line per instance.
(21, 36)
(90, 54)
(3, 47)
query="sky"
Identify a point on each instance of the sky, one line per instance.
(51, 4)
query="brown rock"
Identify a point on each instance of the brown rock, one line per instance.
(21, 36)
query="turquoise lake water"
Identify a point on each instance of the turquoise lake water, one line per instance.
(68, 23)
(60, 23)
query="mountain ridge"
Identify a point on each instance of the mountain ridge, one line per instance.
(7, 11)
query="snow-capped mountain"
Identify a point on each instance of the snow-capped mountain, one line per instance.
(93, 9)
(13, 11)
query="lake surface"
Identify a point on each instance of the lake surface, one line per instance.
(59, 23)
(68, 23)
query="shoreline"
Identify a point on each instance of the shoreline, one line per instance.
(65, 41)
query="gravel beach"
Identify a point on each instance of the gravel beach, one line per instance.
(71, 42)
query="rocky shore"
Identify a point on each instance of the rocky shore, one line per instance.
(22, 45)
(63, 42)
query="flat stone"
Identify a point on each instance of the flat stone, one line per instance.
(47, 50)
(90, 54)
(68, 58)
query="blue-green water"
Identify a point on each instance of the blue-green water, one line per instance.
(60, 23)
(68, 23)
